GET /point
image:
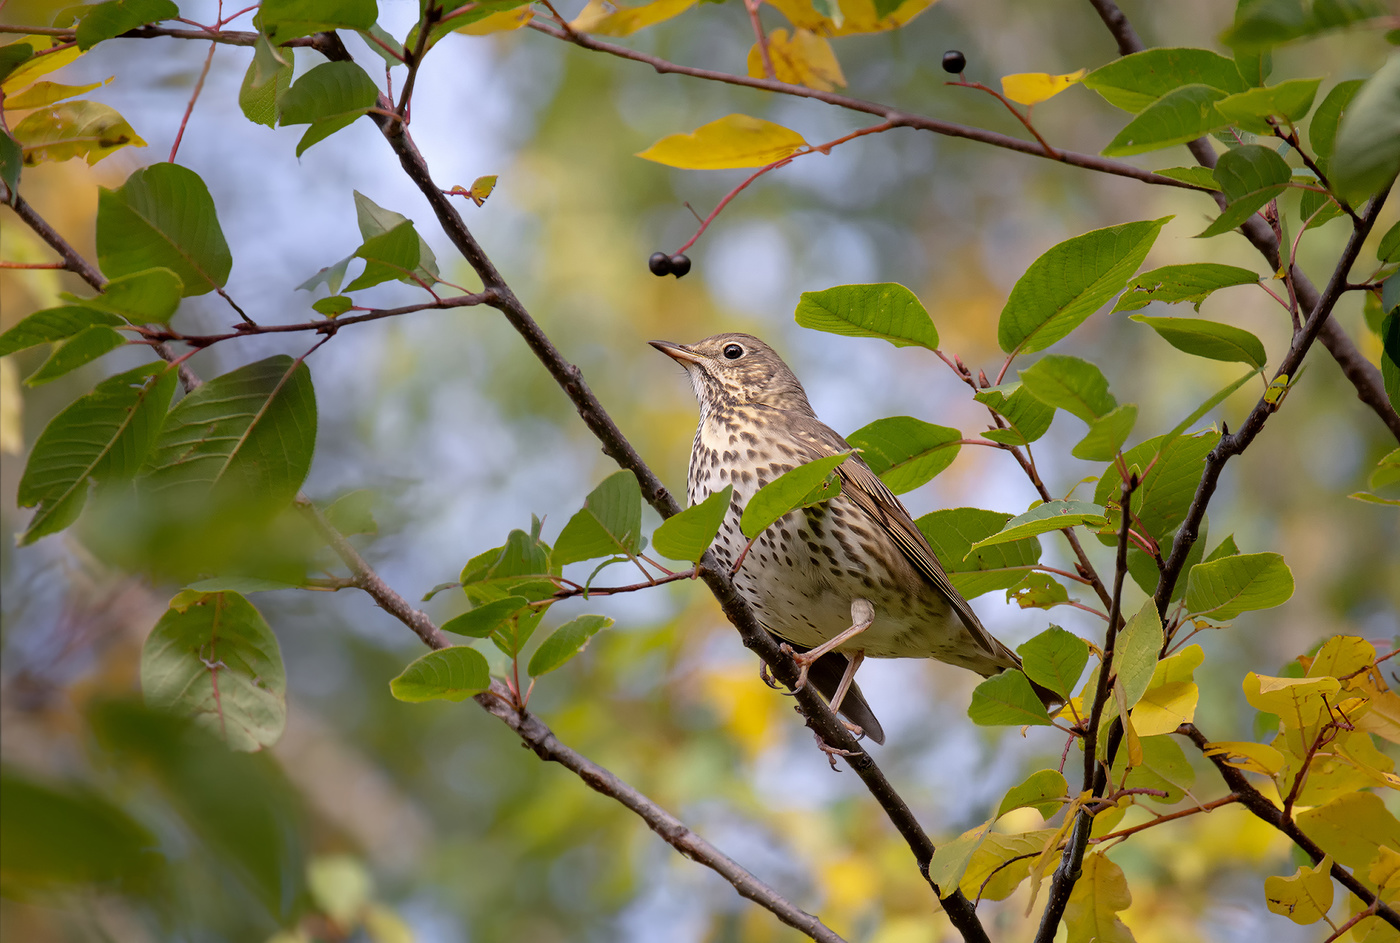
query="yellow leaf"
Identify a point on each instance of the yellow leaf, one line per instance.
(46, 93)
(40, 65)
(992, 874)
(1341, 655)
(1385, 871)
(500, 22)
(1352, 828)
(1130, 734)
(481, 188)
(11, 410)
(732, 141)
(1331, 774)
(1092, 912)
(1179, 667)
(1297, 701)
(1166, 707)
(1382, 717)
(805, 59)
(1254, 757)
(1032, 88)
(857, 16)
(1303, 898)
(608, 19)
(74, 129)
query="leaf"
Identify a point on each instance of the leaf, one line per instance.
(331, 275)
(1322, 130)
(1165, 707)
(951, 533)
(106, 20)
(11, 160)
(1387, 470)
(53, 324)
(886, 310)
(1252, 757)
(285, 19)
(450, 674)
(333, 306)
(951, 859)
(1041, 791)
(603, 19)
(375, 220)
(1162, 766)
(1002, 862)
(1298, 702)
(906, 452)
(353, 513)
(1303, 898)
(1107, 434)
(247, 435)
(86, 129)
(1174, 283)
(163, 217)
(1162, 498)
(1032, 88)
(1390, 350)
(609, 523)
(329, 97)
(1389, 248)
(1196, 176)
(519, 568)
(1250, 176)
(481, 189)
(1052, 515)
(483, 620)
(82, 348)
(1179, 116)
(213, 658)
(1038, 591)
(1006, 699)
(1071, 384)
(1135, 652)
(392, 255)
(1054, 659)
(687, 535)
(1368, 140)
(152, 295)
(788, 492)
(1285, 103)
(1135, 81)
(1027, 416)
(1098, 895)
(260, 95)
(565, 642)
(1070, 282)
(104, 435)
(1224, 588)
(731, 141)
(30, 68)
(1352, 828)
(804, 59)
(43, 94)
(1208, 339)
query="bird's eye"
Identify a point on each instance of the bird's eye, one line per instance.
(733, 352)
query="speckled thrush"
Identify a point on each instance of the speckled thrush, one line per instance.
(841, 580)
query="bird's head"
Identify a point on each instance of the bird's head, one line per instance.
(737, 370)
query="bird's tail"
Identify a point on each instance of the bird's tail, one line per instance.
(825, 674)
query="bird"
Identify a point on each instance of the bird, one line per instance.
(839, 581)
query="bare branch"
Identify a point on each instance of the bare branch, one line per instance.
(72, 260)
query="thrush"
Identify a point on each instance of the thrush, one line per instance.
(845, 579)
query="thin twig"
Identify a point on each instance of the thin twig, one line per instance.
(194, 97)
(761, 38)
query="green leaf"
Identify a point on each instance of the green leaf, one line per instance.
(1250, 176)
(115, 17)
(906, 452)
(521, 568)
(1054, 659)
(1041, 791)
(1196, 176)
(1389, 248)
(788, 492)
(1164, 766)
(213, 658)
(103, 435)
(1071, 384)
(1174, 283)
(393, 255)
(952, 532)
(1161, 500)
(331, 275)
(1224, 588)
(329, 97)
(86, 129)
(1052, 515)
(1070, 282)
(1390, 351)
(245, 436)
(1322, 130)
(11, 159)
(1387, 471)
(152, 295)
(286, 19)
(13, 55)
(334, 305)
(82, 348)
(451, 674)
(1007, 699)
(264, 85)
(687, 535)
(1135, 651)
(1260, 24)
(565, 642)
(1179, 116)
(1226, 548)
(53, 324)
(1255, 65)
(1367, 152)
(950, 859)
(1107, 434)
(1285, 102)
(384, 36)
(375, 220)
(1136, 81)
(1208, 339)
(163, 217)
(1027, 417)
(609, 523)
(885, 310)
(1038, 591)
(483, 620)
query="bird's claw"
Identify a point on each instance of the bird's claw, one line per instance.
(766, 676)
(804, 664)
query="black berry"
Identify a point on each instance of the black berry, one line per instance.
(660, 264)
(954, 62)
(679, 264)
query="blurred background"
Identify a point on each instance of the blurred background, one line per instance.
(433, 812)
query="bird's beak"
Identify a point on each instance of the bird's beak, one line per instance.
(677, 352)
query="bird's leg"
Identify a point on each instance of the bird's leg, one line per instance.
(862, 615)
(855, 659)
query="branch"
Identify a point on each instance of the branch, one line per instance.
(72, 260)
(548, 747)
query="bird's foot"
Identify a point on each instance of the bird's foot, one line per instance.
(832, 752)
(804, 664)
(766, 676)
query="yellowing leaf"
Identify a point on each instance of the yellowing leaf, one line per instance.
(993, 874)
(46, 93)
(501, 22)
(1254, 757)
(608, 19)
(1297, 701)
(731, 141)
(805, 59)
(1092, 912)
(1352, 828)
(1385, 871)
(1166, 707)
(857, 16)
(1179, 667)
(74, 129)
(1382, 716)
(481, 188)
(1340, 656)
(1303, 898)
(1032, 88)
(39, 65)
